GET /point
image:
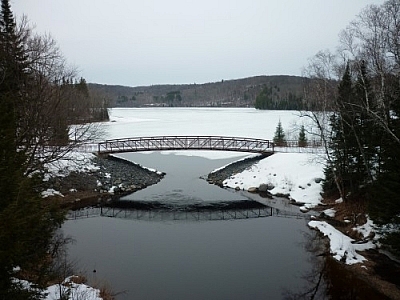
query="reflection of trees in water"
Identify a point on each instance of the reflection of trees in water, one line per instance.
(315, 285)
(329, 279)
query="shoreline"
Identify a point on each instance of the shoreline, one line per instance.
(379, 270)
(114, 178)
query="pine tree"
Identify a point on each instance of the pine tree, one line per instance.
(279, 136)
(26, 222)
(302, 137)
(12, 69)
(384, 196)
(337, 173)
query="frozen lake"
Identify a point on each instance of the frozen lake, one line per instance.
(241, 122)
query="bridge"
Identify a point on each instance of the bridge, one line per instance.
(162, 143)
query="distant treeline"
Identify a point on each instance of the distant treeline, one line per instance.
(275, 99)
(263, 92)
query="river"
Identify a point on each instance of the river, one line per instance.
(160, 256)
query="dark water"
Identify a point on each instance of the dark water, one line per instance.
(182, 183)
(169, 258)
(241, 259)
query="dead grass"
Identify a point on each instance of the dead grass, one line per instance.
(106, 291)
(78, 279)
(348, 215)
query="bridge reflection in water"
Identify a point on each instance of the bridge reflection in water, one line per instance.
(155, 211)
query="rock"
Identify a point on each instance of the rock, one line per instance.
(303, 209)
(252, 189)
(237, 188)
(263, 187)
(318, 180)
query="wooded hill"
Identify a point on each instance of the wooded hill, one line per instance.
(225, 93)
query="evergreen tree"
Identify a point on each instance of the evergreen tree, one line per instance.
(279, 136)
(26, 222)
(353, 140)
(12, 74)
(302, 137)
(383, 194)
(338, 172)
(264, 99)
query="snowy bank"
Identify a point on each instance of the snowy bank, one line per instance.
(342, 247)
(73, 161)
(72, 290)
(296, 175)
(68, 290)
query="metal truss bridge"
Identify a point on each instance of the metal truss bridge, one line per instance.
(161, 143)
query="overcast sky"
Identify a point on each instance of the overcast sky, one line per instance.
(147, 42)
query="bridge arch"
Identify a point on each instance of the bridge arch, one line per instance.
(162, 143)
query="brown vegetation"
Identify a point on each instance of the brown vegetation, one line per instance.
(379, 271)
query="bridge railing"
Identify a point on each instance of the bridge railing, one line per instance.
(294, 146)
(158, 143)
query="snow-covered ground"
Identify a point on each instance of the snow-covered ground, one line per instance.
(68, 290)
(75, 161)
(297, 175)
(342, 247)
(73, 290)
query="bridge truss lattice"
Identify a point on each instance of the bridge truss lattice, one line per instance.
(160, 143)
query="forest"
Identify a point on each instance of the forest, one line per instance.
(359, 118)
(245, 92)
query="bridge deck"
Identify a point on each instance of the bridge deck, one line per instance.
(159, 143)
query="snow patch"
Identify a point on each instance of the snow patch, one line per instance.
(74, 290)
(71, 162)
(365, 229)
(340, 200)
(342, 247)
(295, 175)
(51, 192)
(330, 212)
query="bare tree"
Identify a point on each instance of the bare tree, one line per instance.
(320, 92)
(44, 112)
